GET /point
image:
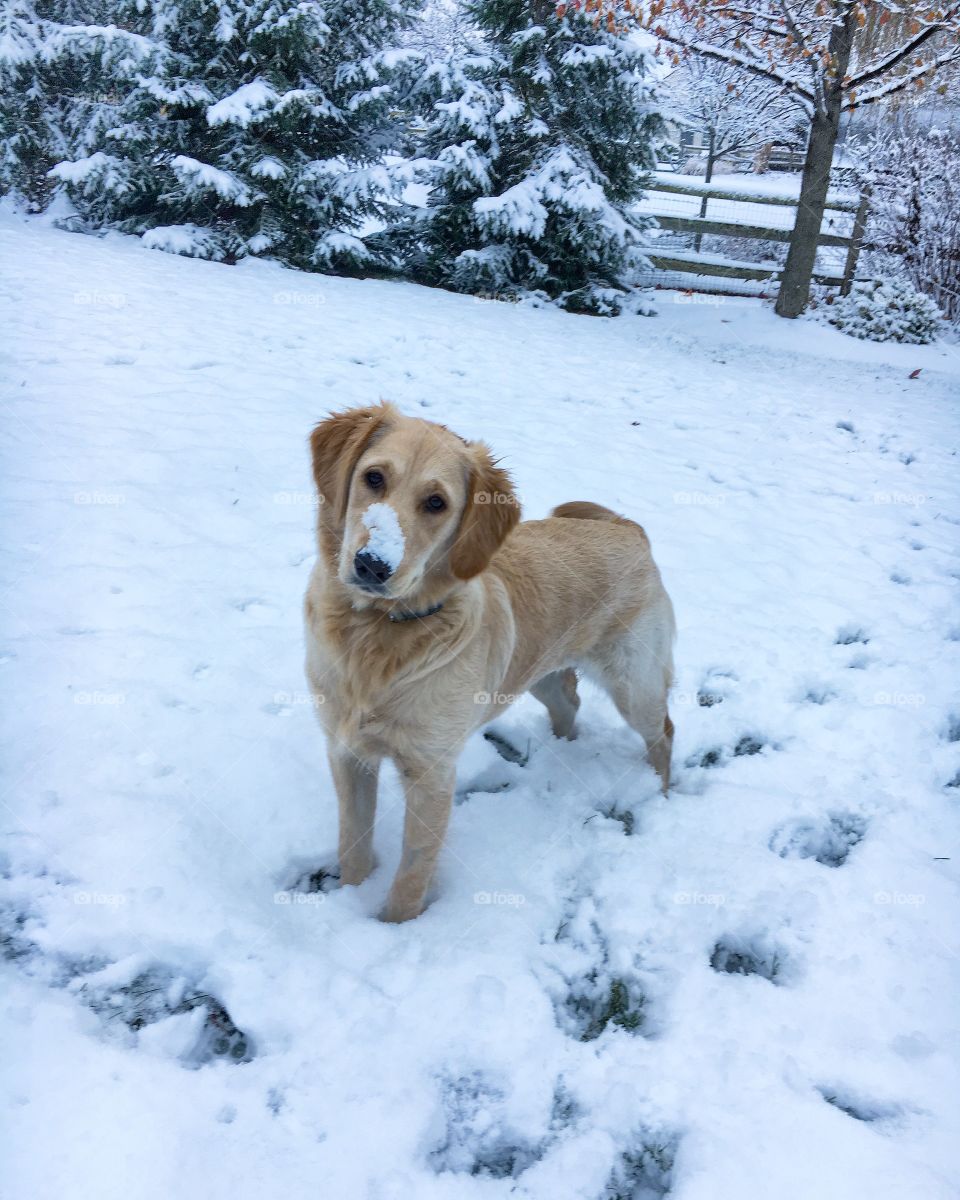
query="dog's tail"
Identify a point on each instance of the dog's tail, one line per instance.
(586, 510)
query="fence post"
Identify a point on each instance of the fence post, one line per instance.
(856, 240)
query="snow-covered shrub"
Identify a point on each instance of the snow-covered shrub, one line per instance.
(912, 166)
(535, 150)
(887, 310)
(260, 126)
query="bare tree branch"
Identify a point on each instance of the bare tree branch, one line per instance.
(735, 58)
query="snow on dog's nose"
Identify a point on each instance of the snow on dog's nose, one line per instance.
(383, 553)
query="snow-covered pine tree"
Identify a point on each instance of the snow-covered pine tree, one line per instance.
(67, 68)
(253, 127)
(535, 152)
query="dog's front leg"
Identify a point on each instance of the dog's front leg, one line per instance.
(429, 793)
(356, 783)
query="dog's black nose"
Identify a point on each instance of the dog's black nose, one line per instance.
(371, 572)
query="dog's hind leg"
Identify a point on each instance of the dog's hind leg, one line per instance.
(645, 710)
(558, 693)
(637, 671)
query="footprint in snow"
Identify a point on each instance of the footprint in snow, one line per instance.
(598, 1000)
(477, 1139)
(158, 993)
(850, 635)
(828, 840)
(739, 955)
(253, 607)
(899, 577)
(306, 879)
(869, 1111)
(488, 783)
(506, 749)
(716, 687)
(127, 1004)
(746, 746)
(645, 1170)
(598, 996)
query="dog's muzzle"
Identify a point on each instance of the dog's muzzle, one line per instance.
(371, 572)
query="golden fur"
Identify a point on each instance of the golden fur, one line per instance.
(522, 606)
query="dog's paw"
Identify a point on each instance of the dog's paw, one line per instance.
(404, 902)
(397, 914)
(351, 873)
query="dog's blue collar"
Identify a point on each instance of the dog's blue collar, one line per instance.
(415, 616)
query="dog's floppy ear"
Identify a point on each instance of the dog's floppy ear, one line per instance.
(335, 446)
(491, 511)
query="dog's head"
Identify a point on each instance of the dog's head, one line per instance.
(406, 506)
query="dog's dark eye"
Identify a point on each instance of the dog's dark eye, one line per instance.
(434, 503)
(374, 479)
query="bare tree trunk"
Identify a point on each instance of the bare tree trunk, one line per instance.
(814, 185)
(815, 181)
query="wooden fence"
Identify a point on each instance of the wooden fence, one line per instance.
(738, 217)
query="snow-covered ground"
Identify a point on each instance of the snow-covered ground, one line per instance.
(747, 990)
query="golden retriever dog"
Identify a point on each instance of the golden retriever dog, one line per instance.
(431, 608)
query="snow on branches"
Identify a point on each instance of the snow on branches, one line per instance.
(799, 44)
